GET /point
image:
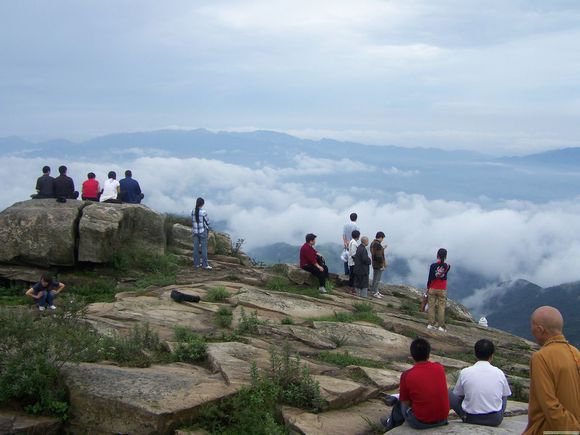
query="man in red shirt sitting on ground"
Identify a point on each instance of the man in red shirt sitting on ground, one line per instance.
(423, 401)
(313, 262)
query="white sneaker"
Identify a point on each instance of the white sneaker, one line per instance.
(52, 307)
(442, 329)
(378, 295)
(41, 308)
(321, 289)
(431, 327)
(208, 267)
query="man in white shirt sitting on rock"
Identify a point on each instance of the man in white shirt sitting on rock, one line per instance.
(480, 394)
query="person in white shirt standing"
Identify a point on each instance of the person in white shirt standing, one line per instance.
(481, 392)
(347, 237)
(111, 189)
(352, 247)
(200, 233)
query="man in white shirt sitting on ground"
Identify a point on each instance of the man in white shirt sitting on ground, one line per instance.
(480, 394)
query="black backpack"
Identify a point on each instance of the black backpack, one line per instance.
(178, 296)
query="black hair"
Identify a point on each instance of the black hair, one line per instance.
(379, 235)
(355, 234)
(91, 175)
(112, 174)
(46, 277)
(128, 173)
(442, 254)
(62, 170)
(420, 349)
(353, 217)
(310, 237)
(199, 202)
(45, 169)
(484, 349)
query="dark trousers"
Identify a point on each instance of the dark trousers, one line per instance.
(489, 419)
(401, 414)
(350, 276)
(321, 275)
(346, 268)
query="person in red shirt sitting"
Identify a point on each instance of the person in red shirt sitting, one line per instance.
(423, 401)
(313, 262)
(90, 188)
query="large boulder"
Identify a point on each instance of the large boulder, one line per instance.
(41, 232)
(180, 240)
(104, 229)
(107, 399)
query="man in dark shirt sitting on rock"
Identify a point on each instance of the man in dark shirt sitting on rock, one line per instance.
(313, 262)
(64, 186)
(130, 189)
(423, 401)
(44, 185)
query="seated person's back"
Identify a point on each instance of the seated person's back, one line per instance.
(425, 386)
(64, 186)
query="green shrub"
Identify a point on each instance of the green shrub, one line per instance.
(34, 348)
(345, 317)
(287, 321)
(217, 294)
(249, 324)
(363, 307)
(143, 258)
(346, 359)
(191, 347)
(339, 340)
(278, 283)
(223, 317)
(138, 349)
(409, 308)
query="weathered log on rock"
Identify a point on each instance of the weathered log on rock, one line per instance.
(104, 229)
(41, 232)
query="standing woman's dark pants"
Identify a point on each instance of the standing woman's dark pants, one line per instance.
(321, 275)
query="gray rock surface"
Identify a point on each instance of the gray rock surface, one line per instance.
(511, 425)
(109, 399)
(12, 422)
(301, 277)
(40, 232)
(104, 229)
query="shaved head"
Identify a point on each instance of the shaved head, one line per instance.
(546, 322)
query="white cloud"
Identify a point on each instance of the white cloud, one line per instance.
(516, 239)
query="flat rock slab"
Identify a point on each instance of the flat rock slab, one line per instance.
(234, 360)
(510, 425)
(514, 408)
(449, 363)
(309, 336)
(162, 314)
(349, 421)
(340, 393)
(158, 399)
(19, 423)
(296, 306)
(367, 341)
(383, 379)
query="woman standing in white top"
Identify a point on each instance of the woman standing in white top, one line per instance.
(111, 189)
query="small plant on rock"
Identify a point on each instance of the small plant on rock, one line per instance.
(287, 321)
(223, 317)
(249, 324)
(191, 347)
(217, 294)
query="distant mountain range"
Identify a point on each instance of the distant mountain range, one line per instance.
(510, 309)
(435, 173)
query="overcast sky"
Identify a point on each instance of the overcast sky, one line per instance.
(498, 76)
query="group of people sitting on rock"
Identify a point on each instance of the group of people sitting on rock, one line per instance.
(481, 391)
(62, 188)
(362, 261)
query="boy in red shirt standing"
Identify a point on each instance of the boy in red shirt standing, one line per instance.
(423, 401)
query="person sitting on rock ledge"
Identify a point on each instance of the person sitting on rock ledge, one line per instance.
(311, 261)
(111, 189)
(423, 401)
(481, 391)
(130, 189)
(44, 185)
(90, 188)
(44, 292)
(64, 186)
